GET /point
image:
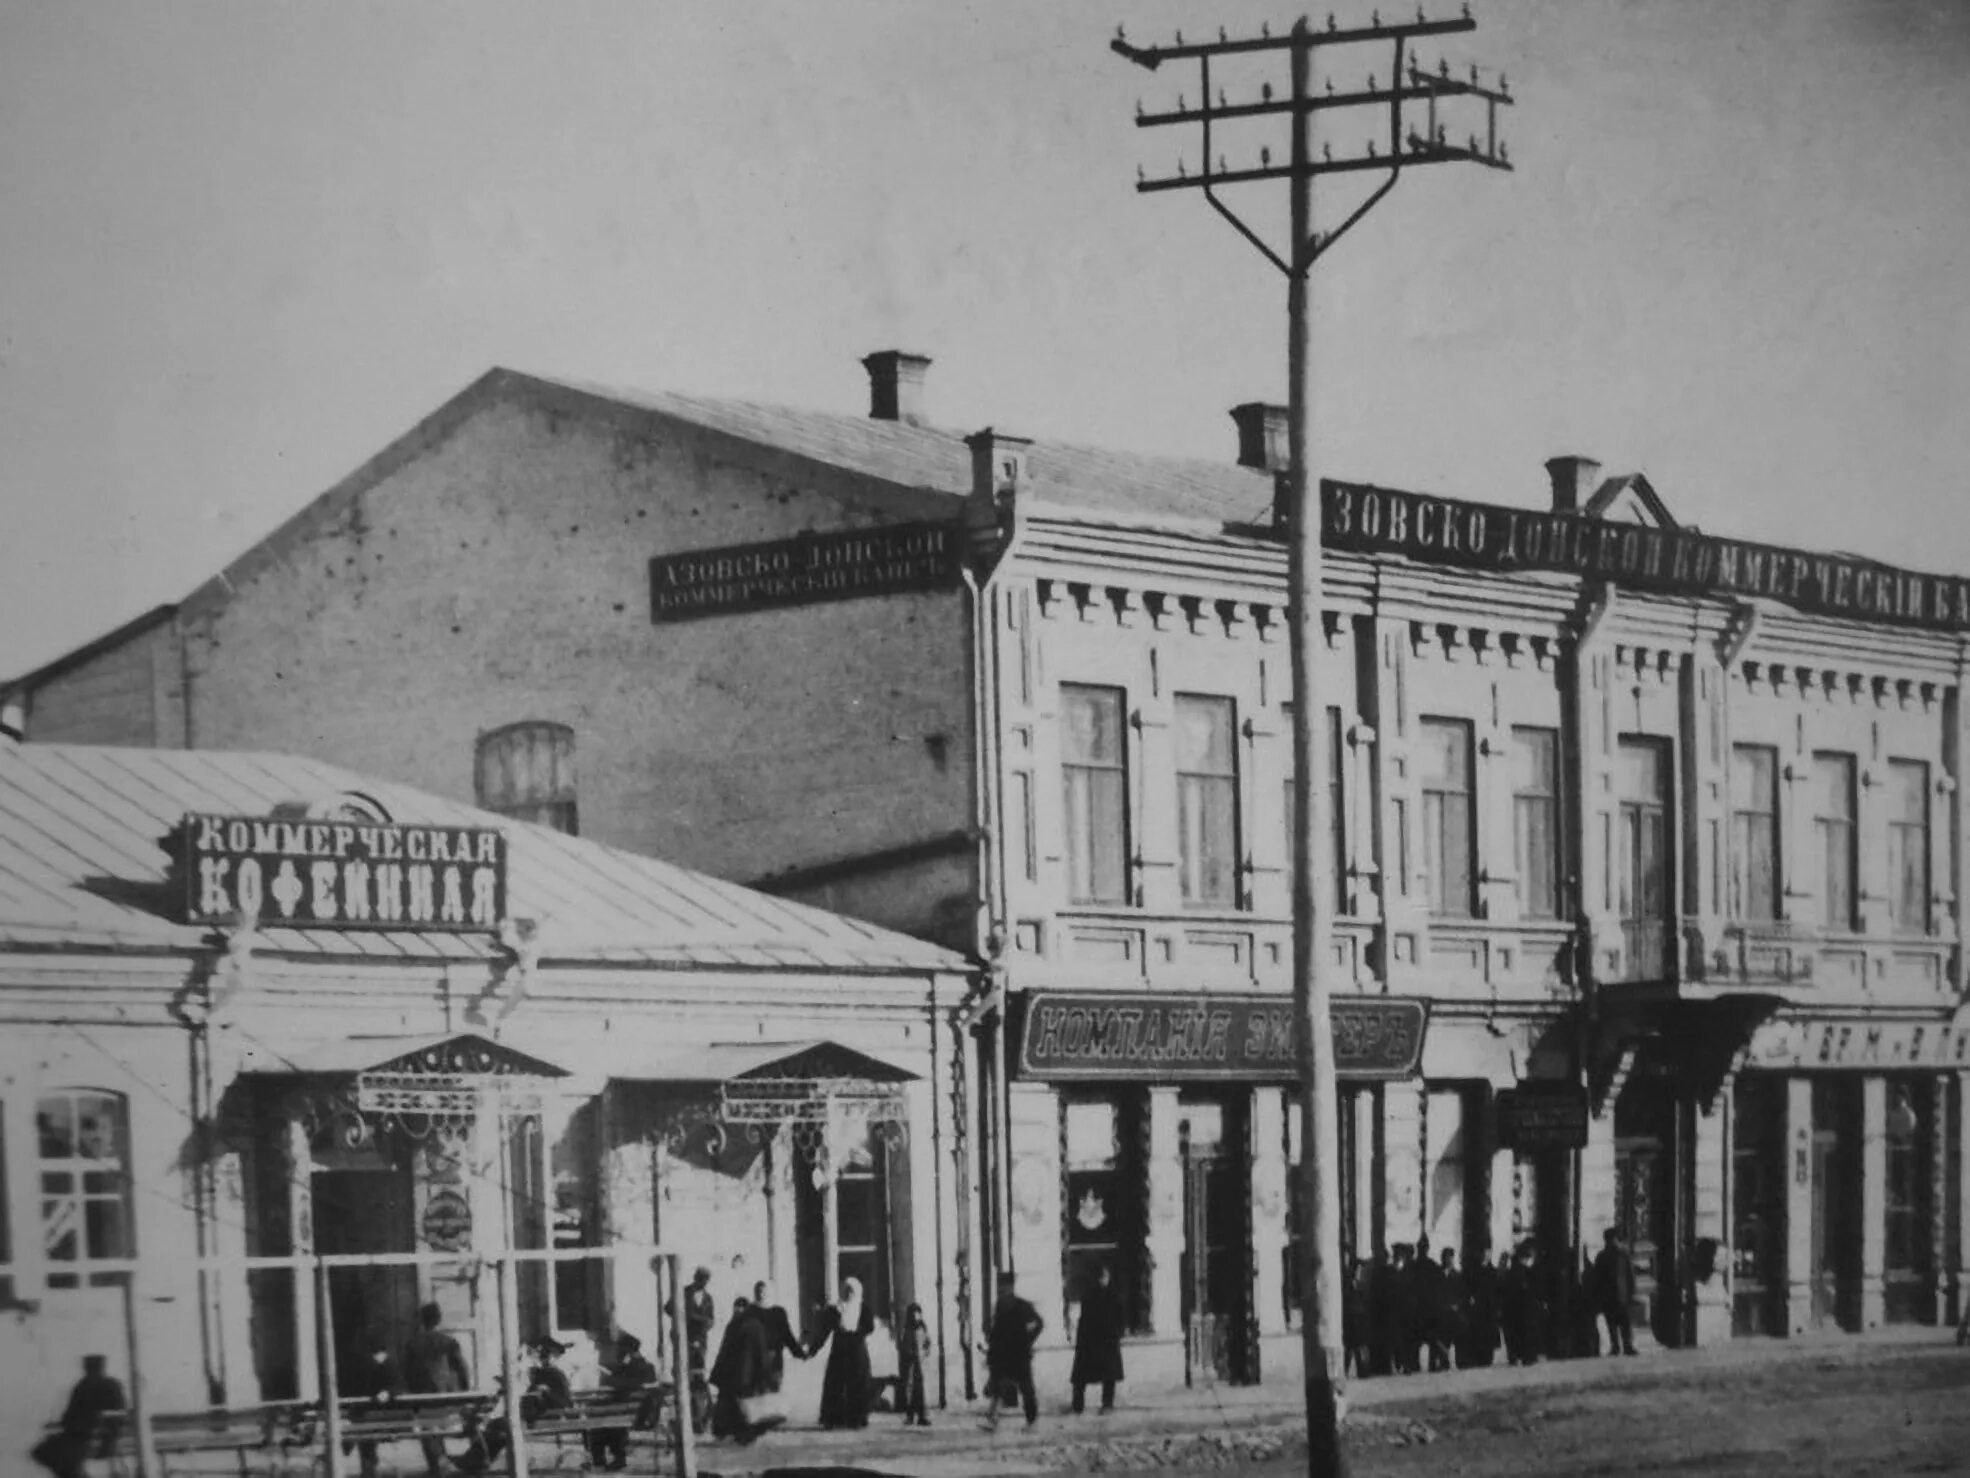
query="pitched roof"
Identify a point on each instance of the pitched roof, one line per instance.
(83, 866)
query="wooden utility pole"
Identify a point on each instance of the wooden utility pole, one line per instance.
(1313, 890)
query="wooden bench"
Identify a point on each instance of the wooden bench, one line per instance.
(453, 1415)
(266, 1431)
(596, 1411)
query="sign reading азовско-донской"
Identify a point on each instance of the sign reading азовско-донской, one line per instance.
(1178, 1035)
(1488, 536)
(840, 565)
(343, 874)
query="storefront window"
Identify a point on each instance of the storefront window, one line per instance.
(1093, 758)
(1754, 831)
(1103, 1221)
(1449, 842)
(1908, 846)
(862, 1223)
(84, 1154)
(527, 771)
(1207, 799)
(1907, 1244)
(1833, 825)
(1758, 1181)
(1535, 820)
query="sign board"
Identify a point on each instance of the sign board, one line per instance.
(842, 565)
(1169, 1035)
(1488, 536)
(1542, 1116)
(343, 874)
(1799, 1042)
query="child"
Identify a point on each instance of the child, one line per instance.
(912, 1359)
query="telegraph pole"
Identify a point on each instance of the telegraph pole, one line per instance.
(1408, 85)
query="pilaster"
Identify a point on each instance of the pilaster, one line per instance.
(1269, 1191)
(1597, 1189)
(1402, 1160)
(1799, 1205)
(1710, 1276)
(1033, 1142)
(300, 1178)
(1874, 1197)
(1165, 1230)
(1444, 1133)
(1961, 1258)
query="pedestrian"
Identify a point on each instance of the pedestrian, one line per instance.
(752, 1365)
(1451, 1313)
(724, 1372)
(433, 1364)
(89, 1422)
(1480, 1346)
(375, 1380)
(1430, 1350)
(1354, 1319)
(1097, 1342)
(1614, 1291)
(913, 1352)
(700, 1314)
(1381, 1313)
(629, 1379)
(546, 1392)
(845, 1328)
(1402, 1309)
(1533, 1308)
(1009, 1341)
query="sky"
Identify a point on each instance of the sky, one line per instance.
(246, 245)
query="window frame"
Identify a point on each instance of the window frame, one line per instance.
(556, 806)
(1207, 804)
(1842, 828)
(87, 1268)
(1440, 806)
(1527, 803)
(1746, 821)
(1908, 844)
(1094, 851)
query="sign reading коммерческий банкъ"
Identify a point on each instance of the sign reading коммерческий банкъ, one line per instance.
(1489, 536)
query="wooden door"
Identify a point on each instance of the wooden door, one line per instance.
(366, 1211)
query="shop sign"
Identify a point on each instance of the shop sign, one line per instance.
(1542, 1116)
(1859, 1044)
(800, 571)
(1165, 1035)
(343, 874)
(1489, 536)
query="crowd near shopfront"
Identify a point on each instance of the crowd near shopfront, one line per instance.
(1644, 868)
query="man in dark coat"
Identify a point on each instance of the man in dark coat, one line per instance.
(631, 1378)
(1402, 1309)
(1428, 1275)
(375, 1379)
(95, 1407)
(1381, 1313)
(1451, 1311)
(1614, 1291)
(1009, 1341)
(1480, 1342)
(1097, 1342)
(433, 1364)
(1354, 1319)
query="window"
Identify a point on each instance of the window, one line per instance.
(527, 771)
(1754, 831)
(1833, 824)
(1536, 821)
(1448, 839)
(85, 1184)
(862, 1223)
(1095, 768)
(1907, 1243)
(1908, 846)
(1101, 1204)
(1642, 882)
(1207, 799)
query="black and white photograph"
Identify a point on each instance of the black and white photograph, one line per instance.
(984, 738)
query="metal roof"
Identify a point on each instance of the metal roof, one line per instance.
(83, 866)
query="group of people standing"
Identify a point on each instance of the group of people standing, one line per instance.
(1408, 1311)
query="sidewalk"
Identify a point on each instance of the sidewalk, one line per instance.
(1243, 1421)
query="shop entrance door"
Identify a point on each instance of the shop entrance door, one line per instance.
(1216, 1269)
(1836, 1200)
(366, 1211)
(1645, 1203)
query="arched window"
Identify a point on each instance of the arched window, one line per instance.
(527, 771)
(84, 1162)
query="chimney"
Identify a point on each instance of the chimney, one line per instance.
(896, 386)
(998, 465)
(1261, 435)
(1574, 481)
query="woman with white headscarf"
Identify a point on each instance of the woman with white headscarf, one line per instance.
(845, 1381)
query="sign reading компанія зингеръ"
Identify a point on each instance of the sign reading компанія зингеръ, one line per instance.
(1489, 536)
(1188, 1035)
(839, 565)
(343, 874)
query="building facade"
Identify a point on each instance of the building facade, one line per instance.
(286, 1054)
(1643, 860)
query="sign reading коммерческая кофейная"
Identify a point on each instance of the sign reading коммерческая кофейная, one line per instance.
(1489, 536)
(309, 874)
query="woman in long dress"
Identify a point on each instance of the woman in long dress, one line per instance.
(845, 1381)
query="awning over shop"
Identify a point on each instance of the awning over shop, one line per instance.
(726, 1062)
(464, 1053)
(452, 1077)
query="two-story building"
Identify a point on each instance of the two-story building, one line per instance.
(1645, 844)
